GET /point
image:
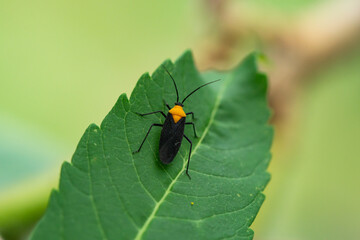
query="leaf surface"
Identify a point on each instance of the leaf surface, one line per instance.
(109, 193)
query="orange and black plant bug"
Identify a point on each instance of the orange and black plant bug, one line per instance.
(173, 128)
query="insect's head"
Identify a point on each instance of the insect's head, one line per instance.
(179, 104)
(177, 93)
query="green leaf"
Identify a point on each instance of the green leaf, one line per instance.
(109, 193)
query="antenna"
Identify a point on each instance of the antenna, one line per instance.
(177, 93)
(198, 89)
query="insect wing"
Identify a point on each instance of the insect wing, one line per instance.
(170, 140)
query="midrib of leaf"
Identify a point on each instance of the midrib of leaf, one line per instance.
(168, 190)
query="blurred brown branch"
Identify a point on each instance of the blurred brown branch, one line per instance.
(296, 45)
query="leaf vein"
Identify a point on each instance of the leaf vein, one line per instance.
(210, 216)
(133, 162)
(91, 191)
(114, 186)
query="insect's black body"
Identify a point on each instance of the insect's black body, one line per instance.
(170, 139)
(173, 128)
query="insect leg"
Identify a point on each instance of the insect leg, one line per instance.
(192, 114)
(188, 163)
(188, 123)
(154, 124)
(143, 114)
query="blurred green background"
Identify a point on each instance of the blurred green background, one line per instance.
(63, 64)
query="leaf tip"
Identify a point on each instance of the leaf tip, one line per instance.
(123, 99)
(121, 106)
(254, 59)
(168, 64)
(187, 54)
(187, 59)
(93, 128)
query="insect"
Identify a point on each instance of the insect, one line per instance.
(173, 128)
